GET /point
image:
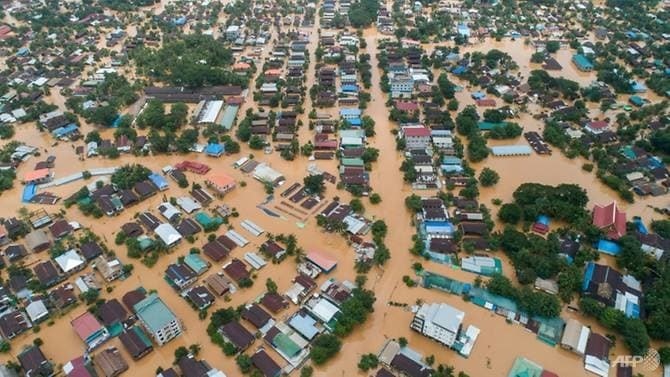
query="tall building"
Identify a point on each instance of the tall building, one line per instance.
(158, 319)
(440, 322)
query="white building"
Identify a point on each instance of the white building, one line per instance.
(440, 322)
(401, 86)
(168, 234)
(232, 32)
(416, 136)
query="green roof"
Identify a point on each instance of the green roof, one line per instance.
(204, 219)
(153, 312)
(488, 126)
(143, 337)
(229, 115)
(195, 262)
(353, 162)
(284, 344)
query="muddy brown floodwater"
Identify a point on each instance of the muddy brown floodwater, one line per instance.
(499, 343)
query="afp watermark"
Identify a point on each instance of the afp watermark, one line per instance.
(649, 362)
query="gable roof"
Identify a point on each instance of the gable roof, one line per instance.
(112, 312)
(610, 219)
(85, 325)
(238, 335)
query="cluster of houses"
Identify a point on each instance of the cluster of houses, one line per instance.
(332, 8)
(25, 284)
(283, 76)
(437, 229)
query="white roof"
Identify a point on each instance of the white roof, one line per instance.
(597, 366)
(36, 310)
(264, 172)
(445, 316)
(325, 310)
(255, 260)
(168, 210)
(168, 234)
(69, 261)
(354, 225)
(188, 204)
(211, 111)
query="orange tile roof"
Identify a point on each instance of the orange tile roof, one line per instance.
(36, 175)
(221, 180)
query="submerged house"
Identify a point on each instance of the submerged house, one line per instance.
(90, 330)
(610, 287)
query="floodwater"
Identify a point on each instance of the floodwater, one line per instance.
(492, 355)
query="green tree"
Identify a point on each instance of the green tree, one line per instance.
(244, 363)
(270, 285)
(414, 203)
(368, 361)
(314, 184)
(510, 213)
(324, 347)
(488, 177)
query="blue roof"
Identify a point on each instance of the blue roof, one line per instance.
(451, 168)
(214, 149)
(350, 88)
(158, 180)
(66, 130)
(459, 70)
(511, 150)
(305, 325)
(636, 100)
(588, 275)
(439, 227)
(632, 310)
(640, 225)
(355, 121)
(28, 192)
(478, 95)
(608, 247)
(451, 160)
(464, 30)
(180, 21)
(543, 219)
(638, 87)
(582, 61)
(350, 111)
(117, 121)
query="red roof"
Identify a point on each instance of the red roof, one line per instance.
(597, 125)
(487, 102)
(416, 131)
(36, 175)
(85, 325)
(406, 106)
(610, 220)
(193, 166)
(546, 373)
(323, 261)
(540, 228)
